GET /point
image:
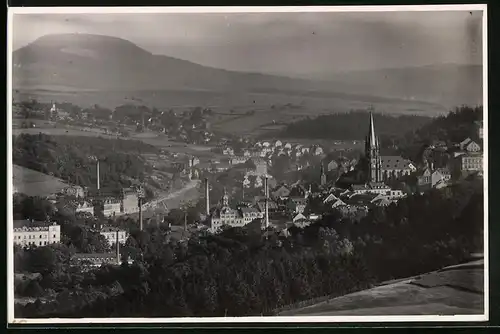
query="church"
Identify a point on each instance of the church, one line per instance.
(382, 168)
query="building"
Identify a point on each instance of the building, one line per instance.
(260, 166)
(130, 202)
(322, 176)
(112, 233)
(382, 168)
(332, 165)
(372, 188)
(85, 207)
(227, 151)
(236, 160)
(36, 233)
(111, 207)
(75, 191)
(299, 203)
(469, 145)
(226, 216)
(281, 192)
(469, 162)
(480, 129)
(193, 161)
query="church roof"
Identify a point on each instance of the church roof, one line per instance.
(394, 162)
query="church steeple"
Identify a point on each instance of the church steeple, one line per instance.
(323, 175)
(225, 199)
(372, 139)
(372, 154)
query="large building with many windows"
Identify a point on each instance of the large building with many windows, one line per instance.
(226, 216)
(35, 233)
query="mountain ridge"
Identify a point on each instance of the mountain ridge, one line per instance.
(106, 63)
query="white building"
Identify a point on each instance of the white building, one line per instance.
(110, 233)
(36, 233)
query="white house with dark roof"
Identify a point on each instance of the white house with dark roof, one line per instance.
(469, 145)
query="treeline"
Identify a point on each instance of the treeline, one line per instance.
(72, 158)
(352, 126)
(451, 129)
(241, 272)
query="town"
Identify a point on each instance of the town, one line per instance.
(274, 187)
(266, 163)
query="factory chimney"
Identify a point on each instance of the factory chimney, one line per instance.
(207, 197)
(267, 200)
(98, 177)
(117, 247)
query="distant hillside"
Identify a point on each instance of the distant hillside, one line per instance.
(352, 126)
(446, 84)
(109, 70)
(94, 62)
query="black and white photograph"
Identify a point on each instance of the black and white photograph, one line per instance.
(247, 164)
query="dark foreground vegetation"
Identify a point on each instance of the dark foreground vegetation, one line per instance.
(240, 272)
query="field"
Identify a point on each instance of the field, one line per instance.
(271, 110)
(34, 183)
(450, 291)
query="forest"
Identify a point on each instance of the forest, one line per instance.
(352, 126)
(244, 271)
(72, 158)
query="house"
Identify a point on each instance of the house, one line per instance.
(469, 162)
(112, 234)
(337, 203)
(317, 150)
(299, 203)
(193, 161)
(271, 205)
(74, 190)
(330, 198)
(301, 221)
(281, 192)
(236, 160)
(371, 187)
(227, 151)
(260, 166)
(479, 125)
(221, 166)
(332, 165)
(36, 233)
(85, 207)
(469, 145)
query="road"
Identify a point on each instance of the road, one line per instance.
(187, 193)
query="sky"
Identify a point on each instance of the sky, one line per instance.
(294, 44)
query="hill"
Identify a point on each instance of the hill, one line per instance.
(352, 126)
(86, 69)
(33, 183)
(445, 84)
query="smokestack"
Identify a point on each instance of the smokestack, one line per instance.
(207, 197)
(267, 205)
(117, 247)
(98, 177)
(140, 213)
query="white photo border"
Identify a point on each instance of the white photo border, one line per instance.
(227, 320)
